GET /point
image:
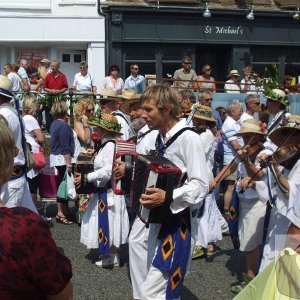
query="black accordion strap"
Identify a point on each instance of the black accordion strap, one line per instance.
(171, 140)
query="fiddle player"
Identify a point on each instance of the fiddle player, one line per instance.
(251, 210)
(285, 170)
(209, 226)
(160, 110)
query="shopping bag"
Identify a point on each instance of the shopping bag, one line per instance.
(62, 189)
(71, 191)
(39, 160)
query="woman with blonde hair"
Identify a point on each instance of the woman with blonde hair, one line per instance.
(22, 231)
(84, 111)
(35, 137)
(64, 151)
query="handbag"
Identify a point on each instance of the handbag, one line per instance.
(71, 191)
(29, 157)
(62, 189)
(39, 160)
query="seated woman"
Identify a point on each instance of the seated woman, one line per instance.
(105, 224)
(29, 254)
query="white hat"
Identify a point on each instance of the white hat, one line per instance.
(234, 72)
(5, 87)
(45, 60)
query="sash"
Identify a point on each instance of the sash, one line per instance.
(233, 221)
(103, 226)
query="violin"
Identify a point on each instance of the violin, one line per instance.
(251, 149)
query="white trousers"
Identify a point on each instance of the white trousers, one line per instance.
(16, 193)
(138, 246)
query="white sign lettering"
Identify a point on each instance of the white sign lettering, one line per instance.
(224, 30)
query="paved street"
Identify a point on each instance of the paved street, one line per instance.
(208, 278)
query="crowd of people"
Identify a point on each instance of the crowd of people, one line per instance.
(251, 159)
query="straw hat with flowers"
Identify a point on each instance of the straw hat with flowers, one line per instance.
(202, 112)
(276, 95)
(252, 126)
(290, 131)
(107, 122)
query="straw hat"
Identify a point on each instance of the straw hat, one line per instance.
(107, 122)
(107, 93)
(234, 72)
(291, 131)
(129, 97)
(5, 87)
(202, 112)
(45, 60)
(251, 126)
(277, 95)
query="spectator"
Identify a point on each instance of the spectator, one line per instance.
(231, 86)
(185, 77)
(84, 111)
(64, 148)
(29, 253)
(287, 85)
(43, 70)
(135, 81)
(206, 81)
(35, 137)
(222, 111)
(15, 191)
(83, 81)
(24, 65)
(248, 84)
(252, 103)
(113, 81)
(54, 83)
(14, 78)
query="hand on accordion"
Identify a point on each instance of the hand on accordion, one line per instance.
(153, 197)
(119, 170)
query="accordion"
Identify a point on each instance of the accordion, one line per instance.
(159, 172)
(84, 165)
(125, 152)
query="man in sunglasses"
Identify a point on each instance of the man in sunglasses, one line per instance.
(252, 103)
(185, 78)
(135, 81)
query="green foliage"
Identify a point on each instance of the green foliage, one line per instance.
(271, 78)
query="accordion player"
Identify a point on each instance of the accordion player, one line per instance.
(159, 172)
(124, 151)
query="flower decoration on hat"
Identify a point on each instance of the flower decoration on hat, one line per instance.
(202, 112)
(277, 95)
(106, 121)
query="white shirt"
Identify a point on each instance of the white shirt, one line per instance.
(147, 142)
(10, 114)
(103, 165)
(187, 153)
(23, 75)
(208, 141)
(229, 129)
(126, 131)
(16, 82)
(293, 213)
(245, 116)
(117, 86)
(231, 87)
(83, 83)
(250, 86)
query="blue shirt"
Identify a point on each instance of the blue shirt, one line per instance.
(136, 83)
(217, 116)
(62, 139)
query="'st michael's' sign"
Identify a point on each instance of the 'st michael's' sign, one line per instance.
(224, 30)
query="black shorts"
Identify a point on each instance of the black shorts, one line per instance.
(34, 184)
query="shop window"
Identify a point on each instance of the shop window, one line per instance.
(144, 68)
(265, 54)
(77, 58)
(66, 58)
(176, 54)
(140, 53)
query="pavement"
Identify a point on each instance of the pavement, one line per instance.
(208, 278)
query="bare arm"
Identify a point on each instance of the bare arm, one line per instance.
(65, 294)
(25, 85)
(235, 145)
(82, 130)
(40, 137)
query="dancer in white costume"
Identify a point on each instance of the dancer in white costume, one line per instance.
(108, 128)
(209, 227)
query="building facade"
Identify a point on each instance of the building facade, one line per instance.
(157, 34)
(69, 30)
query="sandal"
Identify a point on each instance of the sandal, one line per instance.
(63, 220)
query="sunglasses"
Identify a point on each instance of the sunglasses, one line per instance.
(207, 70)
(135, 69)
(209, 99)
(114, 70)
(90, 110)
(187, 62)
(83, 68)
(256, 103)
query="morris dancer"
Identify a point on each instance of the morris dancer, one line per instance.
(105, 224)
(167, 268)
(209, 227)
